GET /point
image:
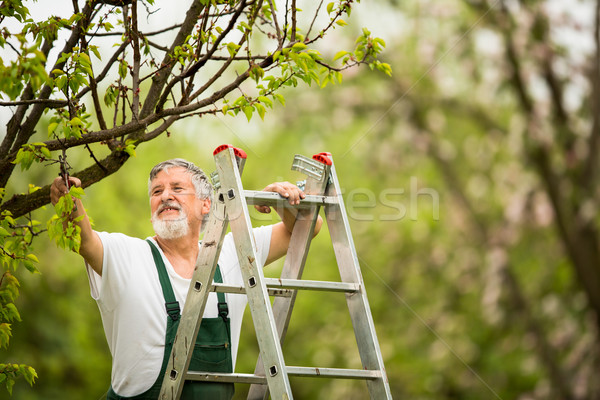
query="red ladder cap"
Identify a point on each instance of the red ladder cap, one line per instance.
(237, 151)
(221, 148)
(322, 159)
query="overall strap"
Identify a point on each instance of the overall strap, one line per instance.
(171, 305)
(222, 308)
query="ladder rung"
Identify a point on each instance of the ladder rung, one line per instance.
(224, 377)
(312, 285)
(256, 197)
(339, 373)
(222, 288)
(315, 372)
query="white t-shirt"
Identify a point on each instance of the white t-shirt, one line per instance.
(132, 304)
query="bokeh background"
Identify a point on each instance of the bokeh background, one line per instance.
(473, 290)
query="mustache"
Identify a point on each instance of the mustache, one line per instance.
(169, 204)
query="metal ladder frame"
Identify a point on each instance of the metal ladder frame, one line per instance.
(322, 189)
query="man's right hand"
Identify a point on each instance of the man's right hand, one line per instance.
(91, 248)
(59, 188)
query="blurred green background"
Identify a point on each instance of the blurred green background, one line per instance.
(472, 293)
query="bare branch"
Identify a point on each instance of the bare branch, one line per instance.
(200, 63)
(13, 125)
(50, 103)
(154, 33)
(280, 38)
(160, 78)
(314, 18)
(135, 77)
(22, 204)
(293, 36)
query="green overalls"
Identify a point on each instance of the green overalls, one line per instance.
(212, 352)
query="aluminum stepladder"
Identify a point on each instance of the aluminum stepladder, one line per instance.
(231, 202)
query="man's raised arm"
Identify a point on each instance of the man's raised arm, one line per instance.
(91, 246)
(282, 231)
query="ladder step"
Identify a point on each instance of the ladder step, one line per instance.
(312, 285)
(224, 377)
(310, 372)
(338, 373)
(257, 197)
(281, 287)
(222, 288)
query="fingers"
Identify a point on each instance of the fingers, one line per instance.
(287, 190)
(263, 209)
(59, 188)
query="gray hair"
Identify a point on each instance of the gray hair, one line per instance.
(202, 185)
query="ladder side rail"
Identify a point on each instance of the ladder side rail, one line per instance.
(293, 268)
(191, 317)
(258, 299)
(358, 304)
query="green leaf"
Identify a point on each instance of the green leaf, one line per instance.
(95, 51)
(248, 110)
(279, 98)
(266, 101)
(261, 110)
(299, 46)
(341, 22)
(122, 69)
(29, 374)
(330, 7)
(232, 48)
(13, 313)
(76, 192)
(339, 55)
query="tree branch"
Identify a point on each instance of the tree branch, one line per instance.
(160, 78)
(49, 103)
(135, 76)
(22, 204)
(27, 129)
(13, 125)
(200, 63)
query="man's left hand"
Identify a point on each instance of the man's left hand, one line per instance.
(287, 190)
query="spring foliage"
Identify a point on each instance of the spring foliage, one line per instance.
(97, 80)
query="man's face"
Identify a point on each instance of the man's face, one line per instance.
(173, 203)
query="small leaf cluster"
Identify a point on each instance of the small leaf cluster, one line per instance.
(10, 372)
(30, 152)
(27, 69)
(62, 228)
(15, 250)
(64, 126)
(15, 241)
(78, 67)
(366, 51)
(14, 9)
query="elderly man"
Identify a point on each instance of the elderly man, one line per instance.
(138, 283)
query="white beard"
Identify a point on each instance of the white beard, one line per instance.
(171, 228)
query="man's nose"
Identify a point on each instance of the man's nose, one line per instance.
(167, 194)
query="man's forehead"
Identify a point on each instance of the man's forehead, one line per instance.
(172, 175)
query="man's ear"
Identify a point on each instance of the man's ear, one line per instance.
(206, 206)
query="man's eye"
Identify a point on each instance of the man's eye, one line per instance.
(156, 192)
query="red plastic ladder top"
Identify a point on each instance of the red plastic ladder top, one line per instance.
(323, 157)
(237, 151)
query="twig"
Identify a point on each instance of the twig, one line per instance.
(51, 103)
